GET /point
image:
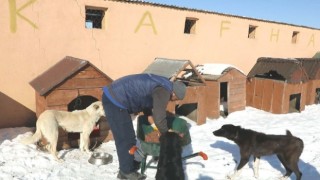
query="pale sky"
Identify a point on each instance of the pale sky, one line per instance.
(297, 12)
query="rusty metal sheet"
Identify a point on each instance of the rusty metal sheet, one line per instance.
(286, 69)
(166, 67)
(311, 66)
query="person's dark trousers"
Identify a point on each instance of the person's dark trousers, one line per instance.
(123, 133)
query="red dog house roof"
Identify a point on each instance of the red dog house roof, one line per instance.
(60, 72)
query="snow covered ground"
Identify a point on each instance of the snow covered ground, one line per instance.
(18, 161)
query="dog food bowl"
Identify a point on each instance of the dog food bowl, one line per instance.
(100, 158)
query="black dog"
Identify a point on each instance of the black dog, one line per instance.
(170, 161)
(287, 148)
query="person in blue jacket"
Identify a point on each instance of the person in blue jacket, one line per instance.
(133, 94)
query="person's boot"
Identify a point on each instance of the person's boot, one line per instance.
(136, 165)
(131, 176)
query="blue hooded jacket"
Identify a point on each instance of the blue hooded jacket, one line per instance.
(134, 92)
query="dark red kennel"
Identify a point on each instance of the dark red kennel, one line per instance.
(71, 84)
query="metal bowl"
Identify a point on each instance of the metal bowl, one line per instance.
(100, 158)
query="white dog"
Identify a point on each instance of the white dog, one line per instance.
(82, 121)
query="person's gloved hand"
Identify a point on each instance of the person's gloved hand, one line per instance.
(154, 127)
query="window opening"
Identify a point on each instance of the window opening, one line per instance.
(190, 26)
(252, 32)
(94, 18)
(294, 37)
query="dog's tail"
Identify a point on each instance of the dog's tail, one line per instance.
(32, 139)
(288, 133)
(298, 140)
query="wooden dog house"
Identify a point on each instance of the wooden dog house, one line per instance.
(312, 68)
(228, 86)
(277, 85)
(71, 84)
(196, 88)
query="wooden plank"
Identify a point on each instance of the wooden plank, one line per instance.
(250, 84)
(90, 68)
(225, 77)
(77, 83)
(233, 75)
(61, 97)
(257, 96)
(212, 100)
(201, 110)
(192, 94)
(41, 104)
(278, 97)
(95, 92)
(171, 107)
(89, 74)
(239, 80)
(237, 98)
(312, 85)
(237, 91)
(240, 101)
(214, 115)
(236, 73)
(236, 107)
(304, 94)
(310, 92)
(59, 107)
(267, 95)
(237, 85)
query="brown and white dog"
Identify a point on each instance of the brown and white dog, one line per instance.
(170, 161)
(287, 148)
(82, 121)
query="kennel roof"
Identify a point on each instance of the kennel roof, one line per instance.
(172, 68)
(290, 70)
(59, 73)
(214, 71)
(311, 66)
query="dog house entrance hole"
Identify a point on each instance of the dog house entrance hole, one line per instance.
(294, 104)
(80, 103)
(224, 99)
(188, 110)
(317, 98)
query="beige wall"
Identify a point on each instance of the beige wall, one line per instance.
(44, 31)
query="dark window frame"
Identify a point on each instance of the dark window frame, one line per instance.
(252, 31)
(190, 25)
(94, 18)
(294, 38)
